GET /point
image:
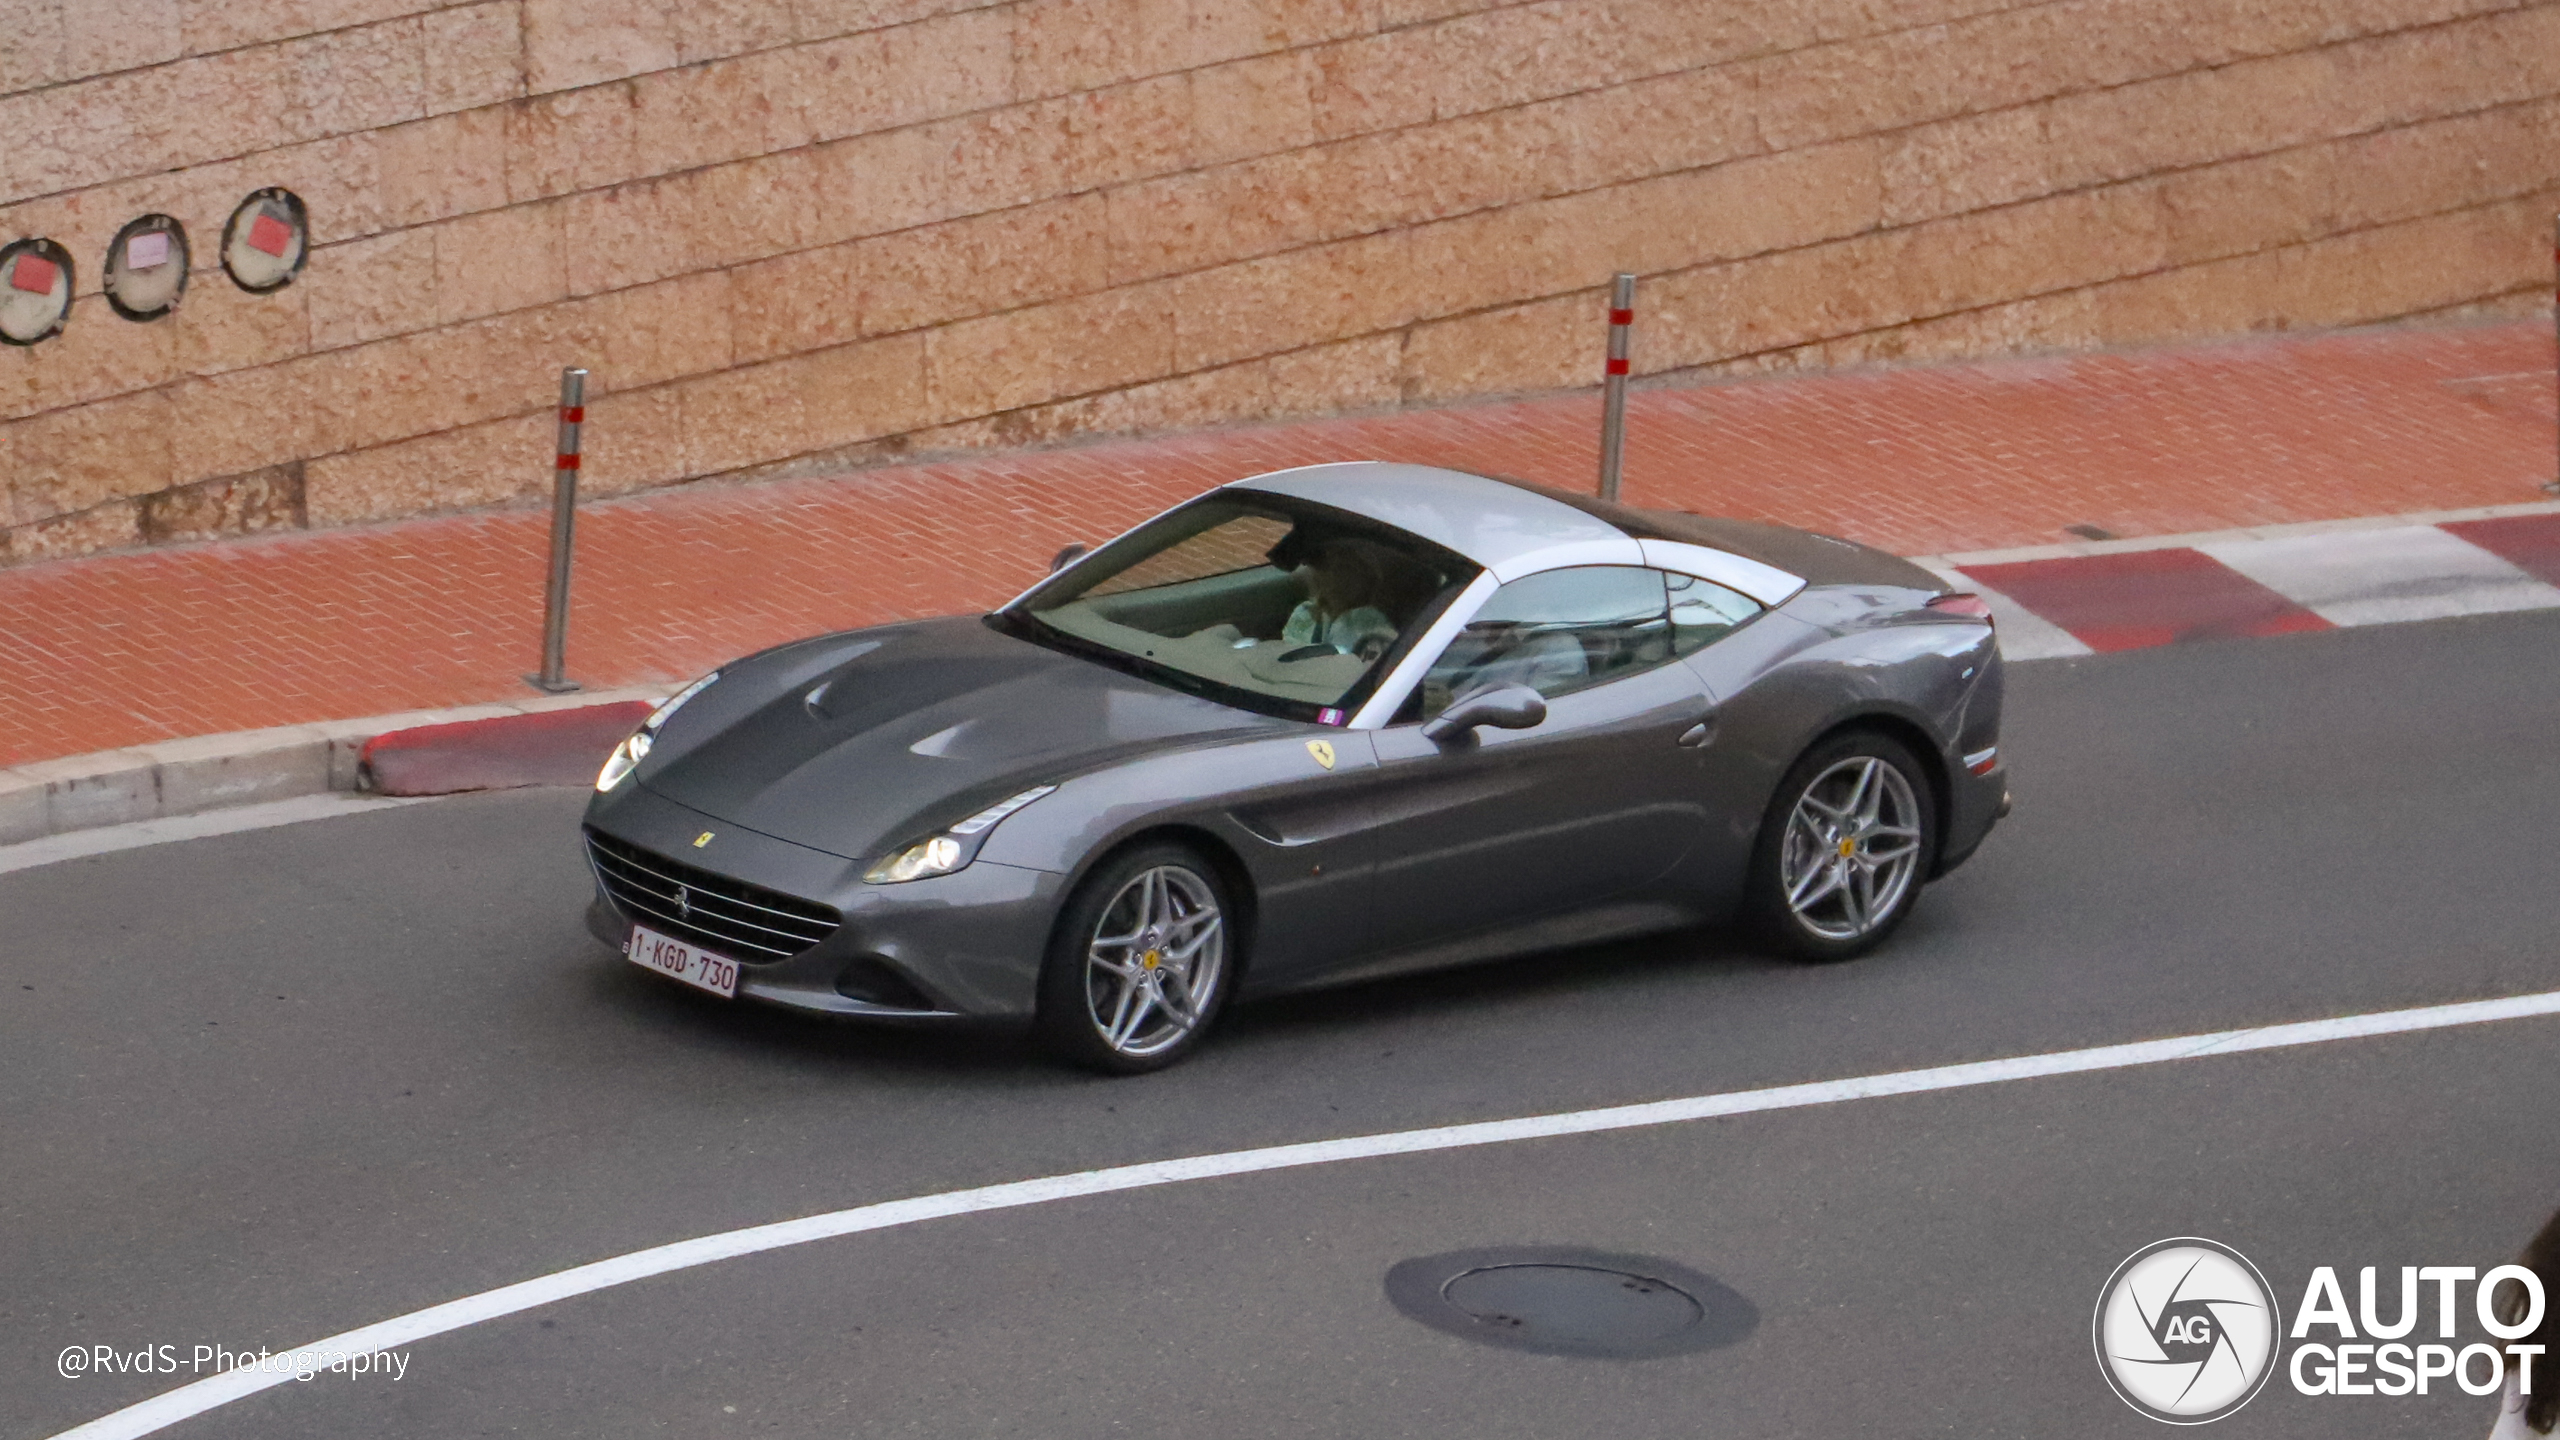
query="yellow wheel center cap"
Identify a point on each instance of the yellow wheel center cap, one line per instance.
(1151, 959)
(1848, 848)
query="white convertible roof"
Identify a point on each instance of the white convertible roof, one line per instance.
(1509, 530)
(1487, 521)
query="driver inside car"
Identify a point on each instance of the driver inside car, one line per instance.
(1346, 585)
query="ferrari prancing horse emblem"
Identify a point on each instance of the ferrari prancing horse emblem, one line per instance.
(1323, 751)
(702, 839)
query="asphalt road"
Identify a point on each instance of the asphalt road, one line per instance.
(268, 1086)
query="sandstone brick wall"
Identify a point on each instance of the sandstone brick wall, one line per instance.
(793, 232)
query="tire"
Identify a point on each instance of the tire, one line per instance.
(1844, 848)
(1140, 964)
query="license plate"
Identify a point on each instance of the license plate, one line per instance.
(672, 957)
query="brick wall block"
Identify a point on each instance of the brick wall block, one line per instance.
(708, 29)
(71, 460)
(474, 56)
(221, 327)
(1003, 362)
(99, 355)
(1541, 345)
(574, 140)
(649, 335)
(985, 263)
(1253, 107)
(103, 35)
(499, 260)
(209, 25)
(568, 43)
(249, 504)
(31, 51)
(480, 465)
(114, 525)
(860, 392)
(795, 302)
(370, 289)
(632, 441)
(1347, 375)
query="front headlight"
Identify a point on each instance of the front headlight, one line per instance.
(626, 757)
(950, 850)
(937, 856)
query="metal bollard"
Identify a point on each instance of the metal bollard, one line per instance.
(1613, 387)
(2552, 485)
(564, 519)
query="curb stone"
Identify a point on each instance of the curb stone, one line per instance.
(212, 772)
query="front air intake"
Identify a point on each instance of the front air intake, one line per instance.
(729, 917)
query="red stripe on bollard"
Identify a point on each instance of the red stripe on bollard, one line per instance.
(568, 462)
(1622, 317)
(1617, 367)
(573, 414)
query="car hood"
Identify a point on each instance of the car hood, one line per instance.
(859, 742)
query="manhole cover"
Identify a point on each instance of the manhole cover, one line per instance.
(1571, 1302)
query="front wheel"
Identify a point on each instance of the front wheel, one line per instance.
(1139, 965)
(1843, 848)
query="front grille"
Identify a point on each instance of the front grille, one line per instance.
(731, 917)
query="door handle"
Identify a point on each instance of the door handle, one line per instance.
(1700, 735)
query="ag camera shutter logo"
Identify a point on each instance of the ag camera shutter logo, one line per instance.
(2186, 1330)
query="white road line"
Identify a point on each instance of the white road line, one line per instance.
(2381, 577)
(167, 1409)
(72, 844)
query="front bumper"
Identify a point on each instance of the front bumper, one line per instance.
(957, 947)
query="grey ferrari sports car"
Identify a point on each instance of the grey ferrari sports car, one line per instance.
(1315, 726)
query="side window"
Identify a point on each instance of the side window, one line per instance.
(1559, 631)
(1703, 612)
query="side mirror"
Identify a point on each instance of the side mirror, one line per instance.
(1504, 707)
(1067, 557)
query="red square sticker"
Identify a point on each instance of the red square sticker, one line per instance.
(33, 274)
(271, 235)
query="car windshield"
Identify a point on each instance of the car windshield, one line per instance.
(1275, 604)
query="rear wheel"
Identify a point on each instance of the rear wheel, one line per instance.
(1139, 966)
(1843, 848)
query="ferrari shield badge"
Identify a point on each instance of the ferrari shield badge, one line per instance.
(1323, 751)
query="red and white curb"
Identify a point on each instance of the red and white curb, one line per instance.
(473, 747)
(2104, 596)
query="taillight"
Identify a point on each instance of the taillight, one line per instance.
(1963, 603)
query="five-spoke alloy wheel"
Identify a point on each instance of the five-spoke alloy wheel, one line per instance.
(1844, 848)
(1139, 965)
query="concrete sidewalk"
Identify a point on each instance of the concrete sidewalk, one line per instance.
(145, 648)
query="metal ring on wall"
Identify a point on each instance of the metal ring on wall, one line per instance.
(266, 241)
(146, 273)
(36, 281)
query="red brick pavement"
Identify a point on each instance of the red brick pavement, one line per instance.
(127, 649)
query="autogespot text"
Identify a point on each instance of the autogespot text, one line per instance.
(2371, 1361)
